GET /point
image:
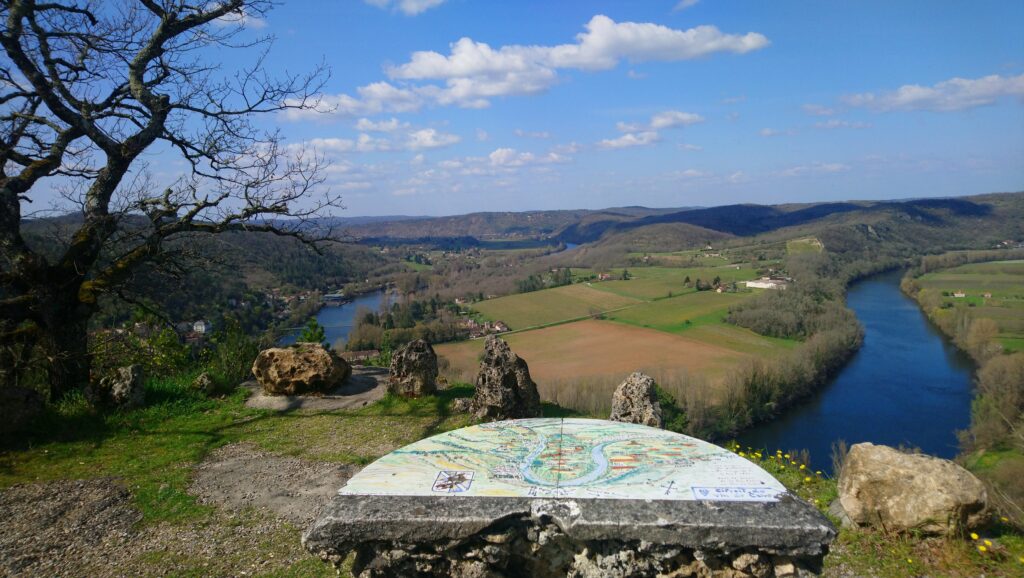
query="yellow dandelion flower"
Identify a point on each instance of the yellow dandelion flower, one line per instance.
(909, 561)
(818, 472)
(1003, 519)
(1021, 559)
(792, 463)
(974, 536)
(787, 456)
(982, 549)
(988, 542)
(803, 466)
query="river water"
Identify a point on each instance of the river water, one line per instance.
(338, 320)
(907, 385)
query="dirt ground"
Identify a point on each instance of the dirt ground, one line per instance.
(90, 527)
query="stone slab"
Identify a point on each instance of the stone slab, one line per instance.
(566, 458)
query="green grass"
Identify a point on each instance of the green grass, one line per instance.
(549, 306)
(679, 314)
(1004, 280)
(649, 283)
(808, 245)
(418, 267)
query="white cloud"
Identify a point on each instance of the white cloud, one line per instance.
(630, 139)
(770, 132)
(816, 168)
(684, 4)
(474, 72)
(481, 135)
(734, 99)
(834, 123)
(373, 98)
(690, 147)
(568, 149)
(948, 95)
(817, 110)
(391, 125)
(640, 134)
(636, 75)
(671, 118)
(407, 7)
(542, 134)
(241, 18)
(509, 157)
(429, 138)
(417, 160)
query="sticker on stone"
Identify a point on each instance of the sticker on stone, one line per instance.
(453, 482)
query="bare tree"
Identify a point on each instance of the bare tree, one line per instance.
(86, 87)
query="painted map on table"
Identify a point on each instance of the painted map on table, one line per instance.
(570, 457)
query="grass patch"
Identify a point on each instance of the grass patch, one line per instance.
(549, 306)
(649, 283)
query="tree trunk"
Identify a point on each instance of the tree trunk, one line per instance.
(64, 327)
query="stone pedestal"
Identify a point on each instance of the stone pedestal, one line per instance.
(572, 497)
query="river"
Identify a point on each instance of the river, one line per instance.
(338, 320)
(907, 385)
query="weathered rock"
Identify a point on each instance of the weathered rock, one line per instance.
(204, 383)
(880, 486)
(504, 389)
(462, 405)
(413, 370)
(18, 407)
(123, 388)
(636, 401)
(302, 368)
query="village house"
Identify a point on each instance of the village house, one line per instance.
(959, 295)
(202, 327)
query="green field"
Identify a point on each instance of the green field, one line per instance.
(524, 310)
(1003, 280)
(657, 282)
(680, 313)
(808, 245)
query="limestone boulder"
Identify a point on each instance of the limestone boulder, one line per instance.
(413, 370)
(18, 407)
(204, 384)
(880, 486)
(504, 389)
(302, 368)
(123, 388)
(636, 401)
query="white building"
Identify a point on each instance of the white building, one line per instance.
(767, 283)
(201, 326)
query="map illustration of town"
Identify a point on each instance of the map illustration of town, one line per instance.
(570, 457)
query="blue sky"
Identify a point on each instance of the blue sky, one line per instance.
(453, 106)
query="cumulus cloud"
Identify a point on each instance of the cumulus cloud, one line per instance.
(542, 134)
(671, 118)
(948, 95)
(509, 157)
(770, 132)
(429, 138)
(812, 169)
(372, 99)
(407, 7)
(640, 134)
(684, 4)
(834, 123)
(630, 139)
(818, 110)
(390, 125)
(474, 72)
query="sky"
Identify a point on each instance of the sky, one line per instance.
(453, 106)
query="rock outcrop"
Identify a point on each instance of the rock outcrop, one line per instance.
(302, 368)
(18, 407)
(880, 486)
(504, 389)
(122, 389)
(413, 370)
(636, 401)
(204, 383)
